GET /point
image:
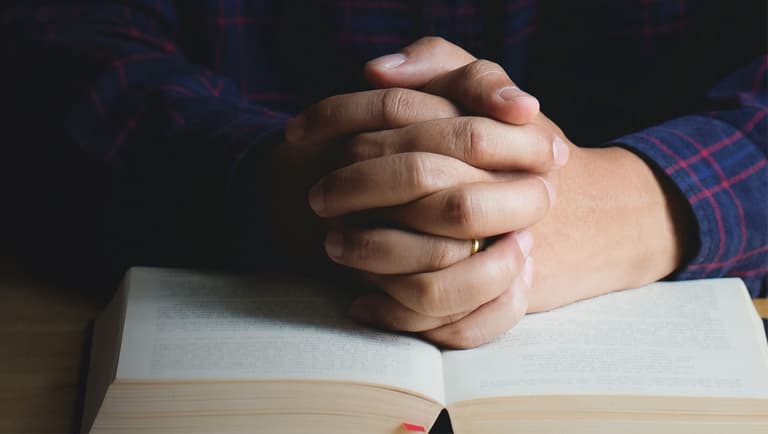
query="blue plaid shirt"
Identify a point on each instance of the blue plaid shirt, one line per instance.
(172, 98)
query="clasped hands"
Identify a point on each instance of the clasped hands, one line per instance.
(446, 150)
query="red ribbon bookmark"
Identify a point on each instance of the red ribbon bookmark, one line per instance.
(414, 428)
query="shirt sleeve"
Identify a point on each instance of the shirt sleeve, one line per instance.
(718, 161)
(174, 137)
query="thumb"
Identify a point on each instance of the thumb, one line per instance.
(417, 64)
(441, 68)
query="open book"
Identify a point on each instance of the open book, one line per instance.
(192, 352)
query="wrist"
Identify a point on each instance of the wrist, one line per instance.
(617, 224)
(664, 225)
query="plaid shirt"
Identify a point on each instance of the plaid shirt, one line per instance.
(174, 97)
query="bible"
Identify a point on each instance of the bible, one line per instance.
(201, 352)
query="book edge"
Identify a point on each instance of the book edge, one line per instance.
(105, 352)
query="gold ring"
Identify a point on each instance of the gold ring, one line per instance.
(476, 246)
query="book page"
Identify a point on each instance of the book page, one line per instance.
(695, 338)
(185, 325)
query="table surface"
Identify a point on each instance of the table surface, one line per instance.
(43, 332)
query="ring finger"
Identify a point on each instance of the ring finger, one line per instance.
(463, 286)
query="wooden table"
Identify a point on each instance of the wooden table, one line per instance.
(761, 304)
(43, 331)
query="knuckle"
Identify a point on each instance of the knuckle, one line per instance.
(500, 271)
(482, 68)
(364, 247)
(395, 106)
(498, 274)
(359, 149)
(430, 297)
(503, 272)
(322, 111)
(416, 173)
(472, 137)
(441, 254)
(541, 154)
(462, 213)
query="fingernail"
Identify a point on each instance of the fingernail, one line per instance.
(550, 190)
(524, 240)
(294, 128)
(528, 271)
(334, 244)
(560, 151)
(359, 311)
(316, 198)
(510, 93)
(390, 61)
